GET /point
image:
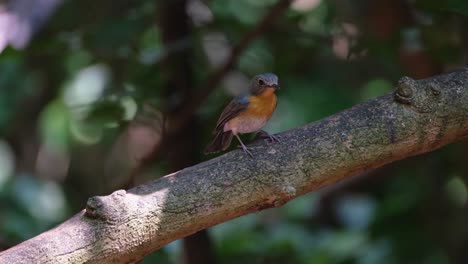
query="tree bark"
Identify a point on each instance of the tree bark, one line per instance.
(420, 116)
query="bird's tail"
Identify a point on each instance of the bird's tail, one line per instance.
(221, 142)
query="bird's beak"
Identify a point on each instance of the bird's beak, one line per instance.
(276, 86)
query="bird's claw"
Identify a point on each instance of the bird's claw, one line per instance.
(273, 138)
(247, 150)
(269, 137)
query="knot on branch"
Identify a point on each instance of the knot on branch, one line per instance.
(93, 207)
(101, 207)
(405, 90)
(423, 96)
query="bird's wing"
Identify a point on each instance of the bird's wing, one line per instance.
(237, 105)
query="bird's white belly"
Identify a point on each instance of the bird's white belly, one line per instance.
(245, 125)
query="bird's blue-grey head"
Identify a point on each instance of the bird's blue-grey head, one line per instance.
(263, 81)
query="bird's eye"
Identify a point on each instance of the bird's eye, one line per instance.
(261, 82)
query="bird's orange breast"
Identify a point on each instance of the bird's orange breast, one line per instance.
(262, 105)
(255, 116)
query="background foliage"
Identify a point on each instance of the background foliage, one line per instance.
(73, 122)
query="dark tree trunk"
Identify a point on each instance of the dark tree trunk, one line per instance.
(182, 145)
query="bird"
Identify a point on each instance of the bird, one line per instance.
(247, 113)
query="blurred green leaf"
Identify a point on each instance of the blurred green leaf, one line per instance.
(376, 88)
(457, 191)
(54, 125)
(456, 6)
(105, 112)
(257, 58)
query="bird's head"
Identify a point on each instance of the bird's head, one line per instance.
(263, 82)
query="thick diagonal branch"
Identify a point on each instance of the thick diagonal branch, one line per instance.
(420, 116)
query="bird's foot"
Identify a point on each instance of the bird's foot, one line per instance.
(269, 137)
(246, 150)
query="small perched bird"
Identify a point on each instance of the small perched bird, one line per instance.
(246, 113)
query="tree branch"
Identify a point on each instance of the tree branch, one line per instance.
(420, 116)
